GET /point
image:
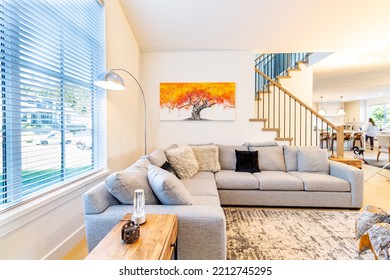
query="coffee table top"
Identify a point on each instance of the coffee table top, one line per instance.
(156, 238)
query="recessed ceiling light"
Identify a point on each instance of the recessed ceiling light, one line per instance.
(380, 93)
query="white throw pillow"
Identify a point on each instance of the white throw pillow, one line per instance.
(183, 161)
(312, 160)
(167, 187)
(207, 157)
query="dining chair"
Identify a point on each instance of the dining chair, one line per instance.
(384, 145)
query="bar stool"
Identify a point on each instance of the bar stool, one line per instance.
(347, 137)
(334, 139)
(324, 138)
(357, 137)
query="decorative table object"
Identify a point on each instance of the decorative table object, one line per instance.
(139, 207)
(372, 228)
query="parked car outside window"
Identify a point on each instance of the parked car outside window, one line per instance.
(55, 138)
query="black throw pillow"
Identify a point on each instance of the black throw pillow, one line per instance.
(247, 161)
(168, 167)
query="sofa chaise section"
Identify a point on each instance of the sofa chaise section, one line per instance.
(201, 226)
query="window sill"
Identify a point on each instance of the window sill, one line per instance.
(17, 217)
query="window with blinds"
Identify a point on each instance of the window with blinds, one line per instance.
(52, 116)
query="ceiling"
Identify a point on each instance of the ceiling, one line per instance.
(356, 32)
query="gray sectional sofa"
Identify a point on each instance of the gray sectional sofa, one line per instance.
(197, 180)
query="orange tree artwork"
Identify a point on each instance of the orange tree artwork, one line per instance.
(197, 96)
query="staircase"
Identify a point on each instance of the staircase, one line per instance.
(291, 119)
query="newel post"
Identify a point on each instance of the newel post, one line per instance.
(340, 141)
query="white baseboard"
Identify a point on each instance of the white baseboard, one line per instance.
(68, 244)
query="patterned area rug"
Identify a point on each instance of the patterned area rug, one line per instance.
(379, 164)
(287, 234)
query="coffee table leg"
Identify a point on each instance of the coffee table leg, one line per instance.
(174, 245)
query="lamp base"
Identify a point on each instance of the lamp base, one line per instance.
(138, 220)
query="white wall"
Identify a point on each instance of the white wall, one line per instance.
(300, 84)
(222, 66)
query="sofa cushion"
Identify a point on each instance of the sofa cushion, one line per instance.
(207, 157)
(229, 179)
(270, 158)
(278, 181)
(122, 185)
(143, 162)
(227, 156)
(290, 157)
(312, 160)
(260, 144)
(204, 175)
(183, 161)
(200, 186)
(167, 187)
(206, 200)
(319, 182)
(247, 161)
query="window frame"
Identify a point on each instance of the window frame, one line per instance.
(12, 193)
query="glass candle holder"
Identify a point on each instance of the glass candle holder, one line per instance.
(139, 207)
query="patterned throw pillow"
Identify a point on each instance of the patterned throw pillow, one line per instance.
(183, 161)
(207, 157)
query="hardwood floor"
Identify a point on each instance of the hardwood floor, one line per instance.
(376, 192)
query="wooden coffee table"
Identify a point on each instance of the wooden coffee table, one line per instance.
(157, 241)
(349, 161)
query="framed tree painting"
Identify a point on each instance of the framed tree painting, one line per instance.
(197, 101)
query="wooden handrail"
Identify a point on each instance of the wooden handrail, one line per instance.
(259, 57)
(296, 99)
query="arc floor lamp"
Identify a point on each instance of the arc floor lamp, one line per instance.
(113, 81)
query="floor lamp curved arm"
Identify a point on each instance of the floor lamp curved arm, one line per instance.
(112, 81)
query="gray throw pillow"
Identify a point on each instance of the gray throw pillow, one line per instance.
(227, 156)
(271, 158)
(167, 187)
(260, 144)
(290, 157)
(157, 157)
(123, 184)
(312, 160)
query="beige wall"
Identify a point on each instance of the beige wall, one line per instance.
(124, 108)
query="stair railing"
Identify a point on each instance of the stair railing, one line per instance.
(294, 120)
(276, 65)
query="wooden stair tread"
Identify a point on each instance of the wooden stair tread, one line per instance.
(271, 129)
(257, 120)
(283, 77)
(284, 138)
(263, 92)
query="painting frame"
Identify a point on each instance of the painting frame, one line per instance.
(197, 101)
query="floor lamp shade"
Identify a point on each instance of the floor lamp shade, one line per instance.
(111, 80)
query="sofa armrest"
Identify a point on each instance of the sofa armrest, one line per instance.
(98, 199)
(202, 230)
(352, 175)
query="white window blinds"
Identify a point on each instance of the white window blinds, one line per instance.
(52, 116)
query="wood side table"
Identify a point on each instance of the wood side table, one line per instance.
(157, 241)
(350, 161)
